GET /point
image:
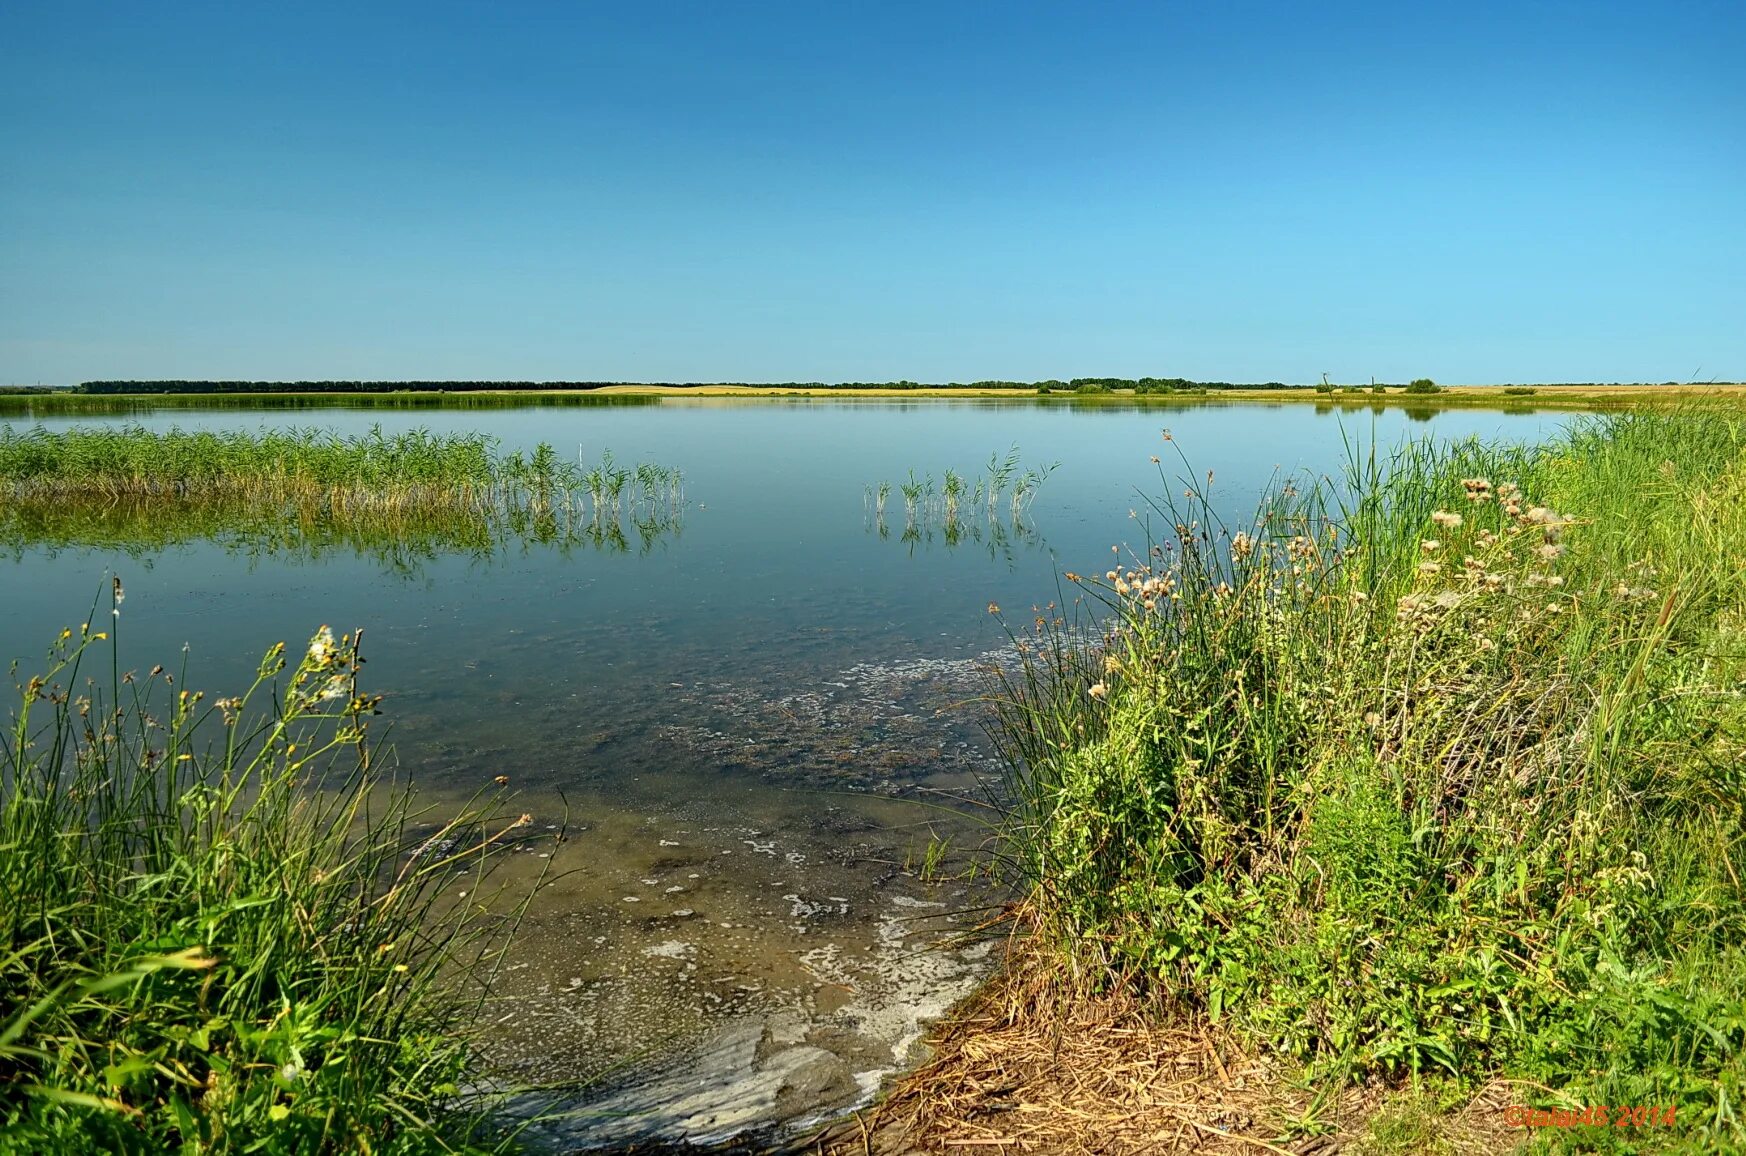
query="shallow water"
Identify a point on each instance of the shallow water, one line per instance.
(755, 720)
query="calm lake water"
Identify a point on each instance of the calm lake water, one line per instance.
(751, 718)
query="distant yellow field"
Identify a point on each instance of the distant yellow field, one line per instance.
(1571, 396)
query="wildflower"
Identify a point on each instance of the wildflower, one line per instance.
(1358, 596)
(321, 647)
(994, 608)
(1478, 489)
(1447, 600)
(1167, 436)
(334, 689)
(1550, 551)
(1446, 520)
(119, 596)
(1098, 691)
(1372, 719)
(1241, 546)
(1430, 545)
(501, 780)
(1154, 459)
(1430, 567)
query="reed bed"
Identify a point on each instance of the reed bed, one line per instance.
(224, 926)
(304, 491)
(1427, 774)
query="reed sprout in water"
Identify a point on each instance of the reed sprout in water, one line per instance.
(223, 927)
(1003, 491)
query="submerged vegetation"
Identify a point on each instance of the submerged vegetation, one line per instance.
(400, 498)
(1431, 771)
(222, 926)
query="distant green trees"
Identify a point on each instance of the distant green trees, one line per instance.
(1086, 385)
(1423, 385)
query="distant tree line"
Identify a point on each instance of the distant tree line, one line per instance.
(1082, 385)
(109, 387)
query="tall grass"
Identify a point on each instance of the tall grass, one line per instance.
(219, 927)
(1434, 768)
(400, 497)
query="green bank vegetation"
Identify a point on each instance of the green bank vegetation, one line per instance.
(1432, 772)
(400, 498)
(223, 927)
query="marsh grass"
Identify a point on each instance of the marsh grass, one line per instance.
(218, 929)
(1433, 768)
(401, 498)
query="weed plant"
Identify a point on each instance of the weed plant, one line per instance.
(220, 930)
(1435, 768)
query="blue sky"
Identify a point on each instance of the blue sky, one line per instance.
(842, 191)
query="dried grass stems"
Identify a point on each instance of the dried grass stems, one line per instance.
(1042, 1061)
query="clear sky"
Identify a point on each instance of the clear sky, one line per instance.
(862, 191)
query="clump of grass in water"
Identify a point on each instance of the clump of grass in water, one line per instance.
(925, 505)
(400, 497)
(217, 927)
(1427, 769)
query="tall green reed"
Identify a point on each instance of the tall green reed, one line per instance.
(220, 927)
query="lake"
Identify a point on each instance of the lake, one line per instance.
(757, 718)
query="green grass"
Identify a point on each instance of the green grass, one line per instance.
(400, 498)
(222, 926)
(1412, 775)
(63, 403)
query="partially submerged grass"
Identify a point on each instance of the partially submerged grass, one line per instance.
(1003, 492)
(217, 932)
(401, 498)
(1429, 771)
